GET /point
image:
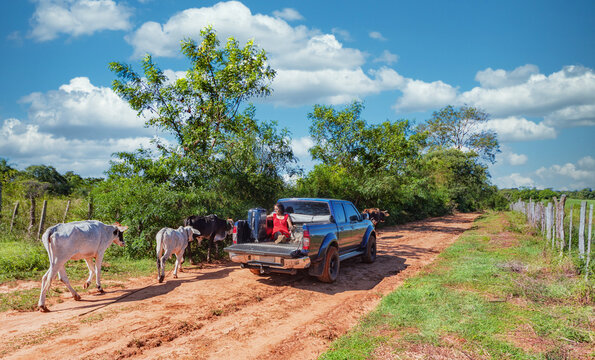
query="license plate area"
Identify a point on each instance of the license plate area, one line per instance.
(265, 259)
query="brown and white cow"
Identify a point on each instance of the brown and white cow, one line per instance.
(376, 215)
(77, 240)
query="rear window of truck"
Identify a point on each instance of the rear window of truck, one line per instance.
(313, 208)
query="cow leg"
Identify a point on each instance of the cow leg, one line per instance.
(98, 261)
(210, 246)
(64, 278)
(178, 257)
(91, 268)
(163, 260)
(45, 286)
(188, 254)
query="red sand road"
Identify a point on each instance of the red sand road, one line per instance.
(223, 312)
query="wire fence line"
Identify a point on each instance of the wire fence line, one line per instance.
(557, 228)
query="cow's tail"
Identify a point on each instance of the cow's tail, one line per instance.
(47, 238)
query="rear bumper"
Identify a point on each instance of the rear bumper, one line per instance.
(270, 262)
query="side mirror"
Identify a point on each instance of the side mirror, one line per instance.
(332, 219)
(353, 218)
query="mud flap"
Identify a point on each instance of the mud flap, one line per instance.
(316, 268)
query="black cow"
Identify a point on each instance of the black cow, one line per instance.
(376, 215)
(212, 228)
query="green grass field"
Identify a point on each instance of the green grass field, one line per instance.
(496, 293)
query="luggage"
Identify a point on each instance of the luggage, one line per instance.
(257, 220)
(243, 232)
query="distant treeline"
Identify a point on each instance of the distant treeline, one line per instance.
(513, 195)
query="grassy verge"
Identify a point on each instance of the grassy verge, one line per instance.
(496, 293)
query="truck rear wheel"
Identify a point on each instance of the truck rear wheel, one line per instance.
(370, 255)
(331, 266)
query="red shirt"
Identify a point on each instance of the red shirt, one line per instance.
(281, 224)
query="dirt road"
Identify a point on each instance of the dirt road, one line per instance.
(224, 312)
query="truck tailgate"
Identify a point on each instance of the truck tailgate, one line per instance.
(269, 249)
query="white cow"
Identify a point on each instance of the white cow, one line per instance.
(173, 241)
(77, 240)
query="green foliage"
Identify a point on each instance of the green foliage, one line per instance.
(462, 128)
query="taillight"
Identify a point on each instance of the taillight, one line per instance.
(306, 240)
(234, 235)
(235, 229)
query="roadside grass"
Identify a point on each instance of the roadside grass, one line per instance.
(497, 292)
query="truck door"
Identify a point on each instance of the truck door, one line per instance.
(343, 226)
(358, 227)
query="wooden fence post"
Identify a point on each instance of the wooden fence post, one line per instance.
(32, 214)
(548, 222)
(561, 205)
(14, 215)
(90, 211)
(570, 229)
(581, 230)
(66, 211)
(42, 219)
(589, 242)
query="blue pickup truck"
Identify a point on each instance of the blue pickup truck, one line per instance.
(326, 232)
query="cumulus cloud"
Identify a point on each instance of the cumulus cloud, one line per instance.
(570, 175)
(376, 35)
(300, 148)
(565, 98)
(514, 180)
(387, 57)
(334, 87)
(82, 110)
(77, 17)
(342, 33)
(493, 79)
(26, 145)
(420, 95)
(517, 159)
(288, 14)
(520, 129)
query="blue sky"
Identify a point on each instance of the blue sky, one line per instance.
(530, 64)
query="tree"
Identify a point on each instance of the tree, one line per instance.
(462, 128)
(201, 109)
(57, 183)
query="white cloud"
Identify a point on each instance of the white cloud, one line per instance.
(514, 180)
(80, 109)
(564, 98)
(342, 33)
(387, 57)
(300, 148)
(520, 129)
(288, 14)
(376, 35)
(76, 18)
(493, 79)
(26, 145)
(539, 95)
(588, 162)
(300, 87)
(419, 95)
(517, 159)
(569, 175)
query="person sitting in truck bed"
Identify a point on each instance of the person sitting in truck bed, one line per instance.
(281, 224)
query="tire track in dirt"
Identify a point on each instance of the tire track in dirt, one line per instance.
(224, 312)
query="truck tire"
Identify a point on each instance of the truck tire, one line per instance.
(330, 272)
(370, 255)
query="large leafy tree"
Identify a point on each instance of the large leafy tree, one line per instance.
(462, 128)
(204, 109)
